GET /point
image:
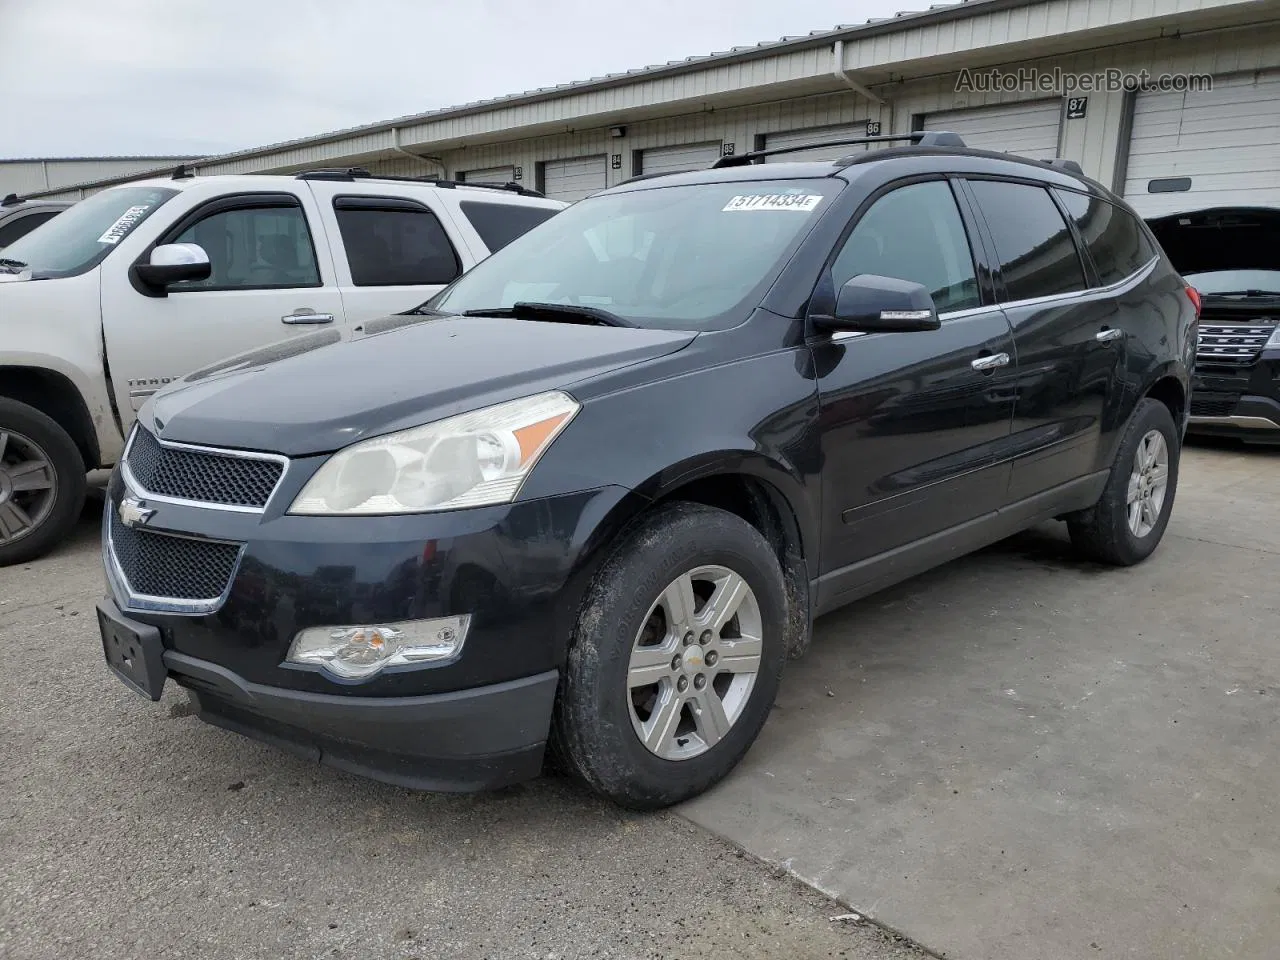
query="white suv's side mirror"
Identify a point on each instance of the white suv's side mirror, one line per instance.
(174, 263)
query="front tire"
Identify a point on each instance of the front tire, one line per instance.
(676, 659)
(1127, 523)
(42, 483)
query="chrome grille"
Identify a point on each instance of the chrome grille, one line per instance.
(1210, 403)
(1234, 344)
(178, 568)
(206, 476)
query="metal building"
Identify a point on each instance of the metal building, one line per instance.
(1205, 129)
(41, 175)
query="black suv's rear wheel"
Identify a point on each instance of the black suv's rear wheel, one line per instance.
(42, 483)
(1128, 521)
(676, 659)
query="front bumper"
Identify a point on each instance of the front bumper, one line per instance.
(1242, 403)
(476, 739)
(478, 720)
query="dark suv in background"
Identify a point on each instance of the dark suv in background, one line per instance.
(1231, 256)
(594, 492)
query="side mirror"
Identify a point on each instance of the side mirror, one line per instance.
(173, 263)
(873, 304)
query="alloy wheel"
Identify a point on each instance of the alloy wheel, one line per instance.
(694, 662)
(1148, 483)
(28, 486)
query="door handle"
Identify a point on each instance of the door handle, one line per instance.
(306, 315)
(1107, 334)
(990, 362)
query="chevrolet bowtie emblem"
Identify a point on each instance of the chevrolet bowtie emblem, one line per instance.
(133, 512)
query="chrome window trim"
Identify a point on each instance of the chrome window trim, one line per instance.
(1120, 286)
(145, 603)
(138, 488)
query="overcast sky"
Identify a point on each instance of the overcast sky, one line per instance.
(97, 77)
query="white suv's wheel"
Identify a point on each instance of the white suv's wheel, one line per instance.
(676, 659)
(42, 483)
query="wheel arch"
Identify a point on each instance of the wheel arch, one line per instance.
(54, 395)
(766, 494)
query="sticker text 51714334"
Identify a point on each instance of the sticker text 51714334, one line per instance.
(799, 202)
(124, 224)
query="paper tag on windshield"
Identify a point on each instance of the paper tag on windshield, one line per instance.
(800, 202)
(124, 224)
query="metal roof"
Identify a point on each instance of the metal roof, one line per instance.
(158, 158)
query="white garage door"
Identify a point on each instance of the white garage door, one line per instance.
(1226, 141)
(488, 175)
(687, 156)
(1027, 129)
(799, 138)
(571, 180)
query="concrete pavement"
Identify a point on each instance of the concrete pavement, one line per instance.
(1020, 755)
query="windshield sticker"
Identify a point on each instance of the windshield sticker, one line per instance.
(126, 223)
(800, 202)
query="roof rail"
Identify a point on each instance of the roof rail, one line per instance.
(1068, 165)
(183, 172)
(12, 200)
(352, 174)
(921, 138)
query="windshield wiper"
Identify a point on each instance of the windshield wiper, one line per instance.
(14, 265)
(556, 313)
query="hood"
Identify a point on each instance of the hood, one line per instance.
(1221, 238)
(317, 393)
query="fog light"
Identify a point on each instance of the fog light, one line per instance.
(358, 652)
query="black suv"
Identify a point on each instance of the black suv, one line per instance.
(1231, 256)
(594, 493)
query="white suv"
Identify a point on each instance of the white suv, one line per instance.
(143, 283)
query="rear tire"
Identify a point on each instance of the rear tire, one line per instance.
(696, 692)
(42, 483)
(1127, 523)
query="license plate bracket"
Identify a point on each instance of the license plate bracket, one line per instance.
(133, 651)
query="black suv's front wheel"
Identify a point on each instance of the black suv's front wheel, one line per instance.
(1128, 521)
(676, 659)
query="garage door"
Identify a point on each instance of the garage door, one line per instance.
(488, 175)
(1226, 141)
(571, 180)
(1027, 129)
(687, 156)
(799, 138)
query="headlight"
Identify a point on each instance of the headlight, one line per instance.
(1273, 341)
(471, 460)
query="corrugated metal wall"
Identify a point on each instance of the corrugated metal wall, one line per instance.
(29, 176)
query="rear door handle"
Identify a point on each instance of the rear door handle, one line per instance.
(990, 362)
(1108, 334)
(307, 316)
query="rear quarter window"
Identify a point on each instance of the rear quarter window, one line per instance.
(500, 223)
(1116, 242)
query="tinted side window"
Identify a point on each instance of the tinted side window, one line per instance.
(394, 243)
(1116, 242)
(914, 233)
(255, 248)
(20, 226)
(500, 223)
(1038, 257)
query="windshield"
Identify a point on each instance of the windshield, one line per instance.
(682, 257)
(79, 237)
(1235, 281)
